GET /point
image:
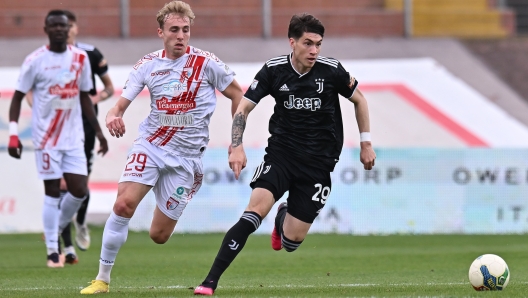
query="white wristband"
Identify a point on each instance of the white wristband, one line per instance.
(364, 137)
(13, 128)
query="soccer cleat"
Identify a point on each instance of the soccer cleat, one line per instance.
(276, 241)
(204, 291)
(207, 287)
(71, 259)
(82, 236)
(70, 255)
(54, 261)
(96, 287)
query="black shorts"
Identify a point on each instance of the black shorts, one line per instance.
(308, 187)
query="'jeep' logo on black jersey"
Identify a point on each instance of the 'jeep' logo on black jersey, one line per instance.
(302, 103)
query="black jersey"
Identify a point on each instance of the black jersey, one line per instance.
(306, 123)
(97, 62)
(99, 67)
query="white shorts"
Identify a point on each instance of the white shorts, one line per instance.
(52, 164)
(175, 179)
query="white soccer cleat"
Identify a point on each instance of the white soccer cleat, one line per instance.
(82, 236)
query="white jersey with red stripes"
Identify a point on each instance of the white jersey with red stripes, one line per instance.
(182, 94)
(56, 80)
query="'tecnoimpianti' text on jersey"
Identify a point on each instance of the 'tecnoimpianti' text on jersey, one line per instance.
(182, 94)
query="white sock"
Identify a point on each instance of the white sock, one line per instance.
(69, 250)
(50, 216)
(114, 236)
(68, 207)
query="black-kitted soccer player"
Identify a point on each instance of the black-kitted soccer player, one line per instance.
(305, 144)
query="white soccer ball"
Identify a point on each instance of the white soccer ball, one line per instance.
(489, 273)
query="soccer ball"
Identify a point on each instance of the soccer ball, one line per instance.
(489, 273)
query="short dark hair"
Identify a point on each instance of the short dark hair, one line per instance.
(299, 24)
(71, 16)
(55, 12)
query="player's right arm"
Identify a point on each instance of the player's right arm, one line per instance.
(259, 89)
(114, 117)
(132, 88)
(15, 146)
(237, 156)
(24, 84)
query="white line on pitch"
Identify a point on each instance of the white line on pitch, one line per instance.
(246, 286)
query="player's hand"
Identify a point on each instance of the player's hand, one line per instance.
(367, 156)
(115, 126)
(237, 159)
(103, 144)
(15, 147)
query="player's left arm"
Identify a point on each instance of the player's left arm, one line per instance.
(85, 85)
(367, 155)
(89, 112)
(101, 69)
(107, 92)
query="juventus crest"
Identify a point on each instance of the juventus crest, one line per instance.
(320, 86)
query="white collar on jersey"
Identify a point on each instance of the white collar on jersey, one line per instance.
(291, 63)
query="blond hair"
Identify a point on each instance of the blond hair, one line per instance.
(174, 7)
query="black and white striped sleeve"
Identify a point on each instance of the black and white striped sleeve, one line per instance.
(260, 87)
(343, 82)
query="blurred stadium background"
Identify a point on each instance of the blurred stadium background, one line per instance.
(445, 81)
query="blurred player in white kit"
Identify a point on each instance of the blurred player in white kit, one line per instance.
(59, 77)
(166, 157)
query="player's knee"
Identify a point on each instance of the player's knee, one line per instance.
(78, 191)
(159, 237)
(124, 209)
(51, 188)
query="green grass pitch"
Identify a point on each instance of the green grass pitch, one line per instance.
(324, 266)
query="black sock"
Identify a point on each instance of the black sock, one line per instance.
(81, 213)
(290, 245)
(66, 236)
(234, 241)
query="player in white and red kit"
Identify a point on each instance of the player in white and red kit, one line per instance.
(59, 77)
(166, 157)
